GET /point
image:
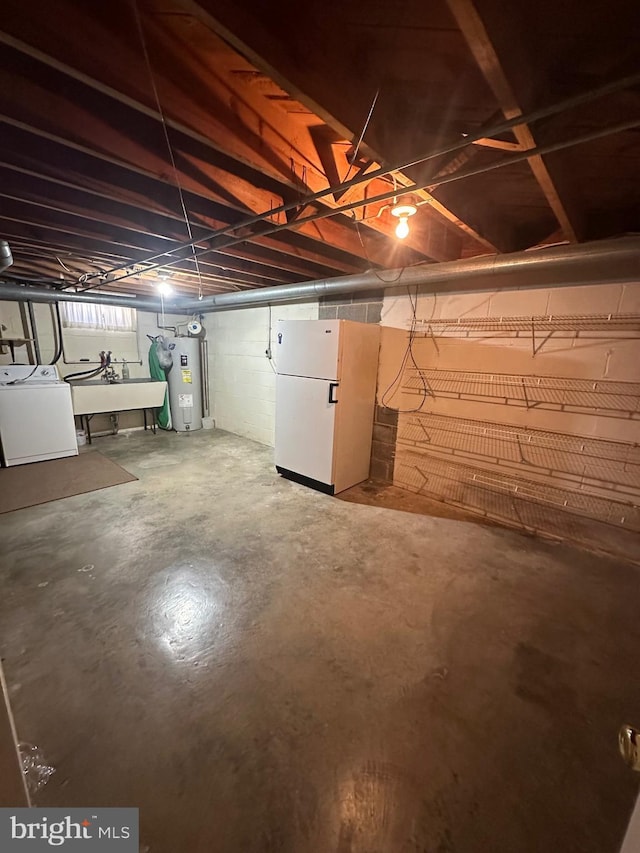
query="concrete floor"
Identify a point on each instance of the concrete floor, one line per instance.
(262, 668)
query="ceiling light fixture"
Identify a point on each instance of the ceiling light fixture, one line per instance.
(164, 288)
(403, 212)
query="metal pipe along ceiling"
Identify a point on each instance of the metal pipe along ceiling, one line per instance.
(12, 292)
(388, 196)
(605, 261)
(457, 145)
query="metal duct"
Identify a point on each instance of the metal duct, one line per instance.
(29, 293)
(604, 261)
(601, 262)
(6, 258)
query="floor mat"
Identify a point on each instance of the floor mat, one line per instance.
(41, 482)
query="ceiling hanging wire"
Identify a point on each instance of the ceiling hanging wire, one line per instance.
(352, 160)
(168, 141)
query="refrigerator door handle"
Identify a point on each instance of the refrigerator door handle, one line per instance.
(332, 385)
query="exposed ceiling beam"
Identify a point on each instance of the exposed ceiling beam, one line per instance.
(250, 236)
(66, 191)
(131, 243)
(484, 52)
(58, 236)
(144, 192)
(304, 147)
(345, 240)
(332, 237)
(248, 114)
(343, 237)
(501, 144)
(207, 16)
(621, 127)
(85, 203)
(133, 103)
(35, 258)
(241, 140)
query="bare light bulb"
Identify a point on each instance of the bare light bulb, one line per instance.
(164, 288)
(402, 228)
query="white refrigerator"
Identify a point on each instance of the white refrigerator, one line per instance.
(325, 398)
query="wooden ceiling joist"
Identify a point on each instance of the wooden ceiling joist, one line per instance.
(58, 231)
(267, 115)
(484, 52)
(442, 244)
(342, 239)
(153, 186)
(130, 184)
(235, 142)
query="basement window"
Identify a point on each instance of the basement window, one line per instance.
(100, 318)
(89, 329)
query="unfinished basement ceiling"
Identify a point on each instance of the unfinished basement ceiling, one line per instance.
(264, 105)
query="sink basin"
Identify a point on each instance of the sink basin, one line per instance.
(95, 395)
(80, 382)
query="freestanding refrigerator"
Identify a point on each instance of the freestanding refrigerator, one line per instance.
(325, 397)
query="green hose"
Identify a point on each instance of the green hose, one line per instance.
(163, 414)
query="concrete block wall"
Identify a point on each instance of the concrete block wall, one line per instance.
(383, 446)
(489, 435)
(363, 307)
(241, 377)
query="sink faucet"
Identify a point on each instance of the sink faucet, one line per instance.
(108, 372)
(110, 375)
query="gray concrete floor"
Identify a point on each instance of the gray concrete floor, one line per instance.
(262, 668)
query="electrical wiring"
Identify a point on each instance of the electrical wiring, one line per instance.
(364, 130)
(65, 267)
(372, 269)
(268, 352)
(173, 329)
(377, 215)
(168, 142)
(408, 357)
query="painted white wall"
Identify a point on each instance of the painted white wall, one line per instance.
(131, 346)
(134, 347)
(241, 378)
(471, 466)
(597, 355)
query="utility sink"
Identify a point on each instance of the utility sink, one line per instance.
(81, 382)
(92, 396)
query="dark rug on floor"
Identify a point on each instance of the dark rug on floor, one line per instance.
(41, 482)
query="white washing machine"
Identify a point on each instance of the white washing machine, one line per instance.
(36, 415)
